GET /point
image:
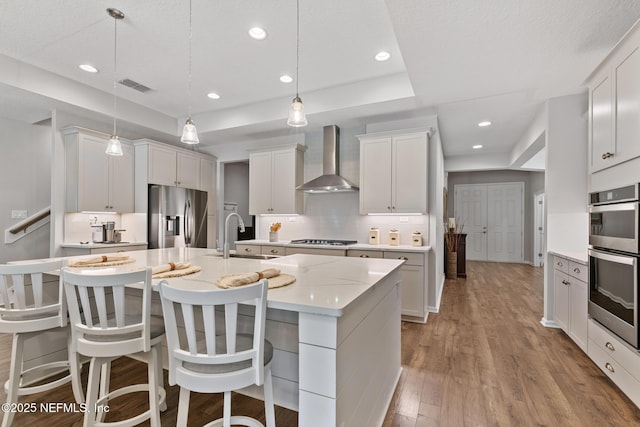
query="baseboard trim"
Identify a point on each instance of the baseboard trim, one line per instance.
(549, 323)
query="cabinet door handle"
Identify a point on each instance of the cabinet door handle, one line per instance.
(274, 251)
(565, 282)
(364, 256)
(576, 270)
(247, 249)
(388, 208)
(610, 346)
(609, 367)
(559, 264)
(404, 258)
(607, 155)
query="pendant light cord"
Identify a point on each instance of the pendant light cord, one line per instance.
(297, 44)
(190, 32)
(115, 72)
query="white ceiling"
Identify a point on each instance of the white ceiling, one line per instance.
(465, 60)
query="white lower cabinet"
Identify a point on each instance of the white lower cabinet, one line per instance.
(617, 359)
(413, 287)
(571, 294)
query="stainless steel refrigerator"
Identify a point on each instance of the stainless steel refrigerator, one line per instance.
(177, 217)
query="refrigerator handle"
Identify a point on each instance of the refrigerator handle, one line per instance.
(187, 222)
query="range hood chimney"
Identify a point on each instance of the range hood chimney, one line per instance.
(330, 181)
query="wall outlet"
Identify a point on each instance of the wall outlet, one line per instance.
(18, 214)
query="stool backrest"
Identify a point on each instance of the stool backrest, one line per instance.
(104, 321)
(25, 305)
(196, 348)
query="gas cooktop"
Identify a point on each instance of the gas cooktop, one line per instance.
(324, 242)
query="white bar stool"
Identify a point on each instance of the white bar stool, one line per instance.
(206, 363)
(27, 310)
(103, 330)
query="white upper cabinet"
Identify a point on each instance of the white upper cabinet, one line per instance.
(171, 167)
(208, 183)
(96, 181)
(614, 106)
(394, 172)
(273, 177)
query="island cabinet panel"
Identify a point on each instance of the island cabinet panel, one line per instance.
(96, 181)
(273, 177)
(336, 387)
(614, 105)
(394, 172)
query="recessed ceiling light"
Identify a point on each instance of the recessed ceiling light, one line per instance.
(213, 95)
(88, 68)
(483, 124)
(382, 56)
(285, 78)
(257, 33)
(476, 147)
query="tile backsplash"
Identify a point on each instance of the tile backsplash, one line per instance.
(337, 216)
(77, 226)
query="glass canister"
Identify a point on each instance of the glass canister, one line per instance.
(416, 239)
(394, 237)
(374, 236)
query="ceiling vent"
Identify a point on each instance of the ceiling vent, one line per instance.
(134, 85)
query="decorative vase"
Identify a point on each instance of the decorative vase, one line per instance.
(452, 265)
(273, 236)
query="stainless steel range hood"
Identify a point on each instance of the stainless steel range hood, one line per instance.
(330, 181)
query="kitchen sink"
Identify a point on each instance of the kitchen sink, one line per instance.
(246, 256)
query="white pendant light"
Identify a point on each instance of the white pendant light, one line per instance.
(113, 147)
(296, 113)
(189, 131)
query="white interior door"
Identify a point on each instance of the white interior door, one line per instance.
(539, 231)
(505, 217)
(470, 206)
(493, 220)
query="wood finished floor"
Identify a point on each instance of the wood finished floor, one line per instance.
(484, 360)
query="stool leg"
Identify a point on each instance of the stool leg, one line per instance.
(105, 382)
(183, 407)
(74, 371)
(226, 411)
(160, 373)
(15, 374)
(92, 391)
(152, 373)
(269, 411)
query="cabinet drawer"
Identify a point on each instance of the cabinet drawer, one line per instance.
(248, 249)
(561, 264)
(411, 258)
(620, 376)
(579, 271)
(316, 251)
(364, 254)
(614, 348)
(272, 250)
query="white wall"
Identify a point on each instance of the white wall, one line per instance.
(565, 185)
(236, 188)
(25, 178)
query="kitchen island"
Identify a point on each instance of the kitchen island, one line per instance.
(335, 331)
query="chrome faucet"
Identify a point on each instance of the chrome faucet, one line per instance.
(225, 243)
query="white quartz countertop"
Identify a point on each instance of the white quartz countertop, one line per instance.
(359, 246)
(324, 284)
(92, 245)
(579, 257)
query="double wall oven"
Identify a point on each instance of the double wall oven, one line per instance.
(614, 254)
